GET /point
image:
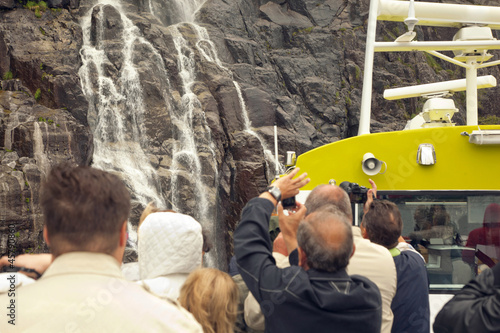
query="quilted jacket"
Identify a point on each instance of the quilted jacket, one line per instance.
(170, 247)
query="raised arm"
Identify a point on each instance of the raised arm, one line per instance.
(252, 245)
(372, 193)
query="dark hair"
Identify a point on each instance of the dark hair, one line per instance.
(84, 209)
(441, 218)
(314, 237)
(328, 195)
(383, 223)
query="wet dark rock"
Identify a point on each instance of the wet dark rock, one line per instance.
(283, 16)
(35, 137)
(7, 4)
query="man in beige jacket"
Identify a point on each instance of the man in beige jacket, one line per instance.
(370, 260)
(83, 290)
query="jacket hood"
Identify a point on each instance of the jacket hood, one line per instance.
(169, 243)
(492, 216)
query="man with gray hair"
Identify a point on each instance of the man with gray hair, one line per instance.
(315, 293)
(370, 260)
(325, 227)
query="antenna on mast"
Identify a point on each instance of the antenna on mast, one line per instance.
(277, 166)
(410, 22)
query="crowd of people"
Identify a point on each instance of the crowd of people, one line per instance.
(319, 274)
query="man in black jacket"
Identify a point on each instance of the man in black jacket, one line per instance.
(475, 309)
(317, 295)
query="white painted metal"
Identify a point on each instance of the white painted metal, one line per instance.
(486, 81)
(440, 14)
(446, 58)
(366, 96)
(436, 14)
(489, 64)
(471, 79)
(276, 150)
(485, 137)
(411, 20)
(436, 46)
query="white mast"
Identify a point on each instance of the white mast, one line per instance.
(474, 44)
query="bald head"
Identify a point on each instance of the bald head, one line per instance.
(329, 195)
(326, 238)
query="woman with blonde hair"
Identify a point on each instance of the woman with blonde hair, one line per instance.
(212, 297)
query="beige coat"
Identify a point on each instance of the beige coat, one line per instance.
(375, 262)
(86, 292)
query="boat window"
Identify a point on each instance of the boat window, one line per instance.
(457, 234)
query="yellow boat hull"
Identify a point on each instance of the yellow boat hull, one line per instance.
(460, 165)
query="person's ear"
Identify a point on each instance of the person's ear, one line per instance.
(364, 233)
(302, 258)
(123, 234)
(46, 235)
(353, 250)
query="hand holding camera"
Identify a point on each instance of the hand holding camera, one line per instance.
(288, 186)
(371, 194)
(290, 223)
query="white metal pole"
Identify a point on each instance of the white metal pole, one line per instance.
(366, 97)
(446, 58)
(276, 150)
(471, 80)
(437, 46)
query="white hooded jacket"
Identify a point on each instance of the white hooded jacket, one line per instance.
(170, 247)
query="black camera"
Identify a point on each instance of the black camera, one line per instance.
(356, 192)
(289, 203)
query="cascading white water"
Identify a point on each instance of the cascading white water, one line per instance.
(15, 120)
(41, 158)
(268, 154)
(178, 10)
(186, 149)
(207, 49)
(9, 131)
(116, 106)
(116, 111)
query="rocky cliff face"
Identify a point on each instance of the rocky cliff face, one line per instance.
(196, 102)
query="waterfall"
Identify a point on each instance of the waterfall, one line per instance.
(186, 150)
(111, 83)
(41, 158)
(9, 131)
(190, 144)
(116, 117)
(171, 12)
(207, 49)
(116, 106)
(268, 154)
